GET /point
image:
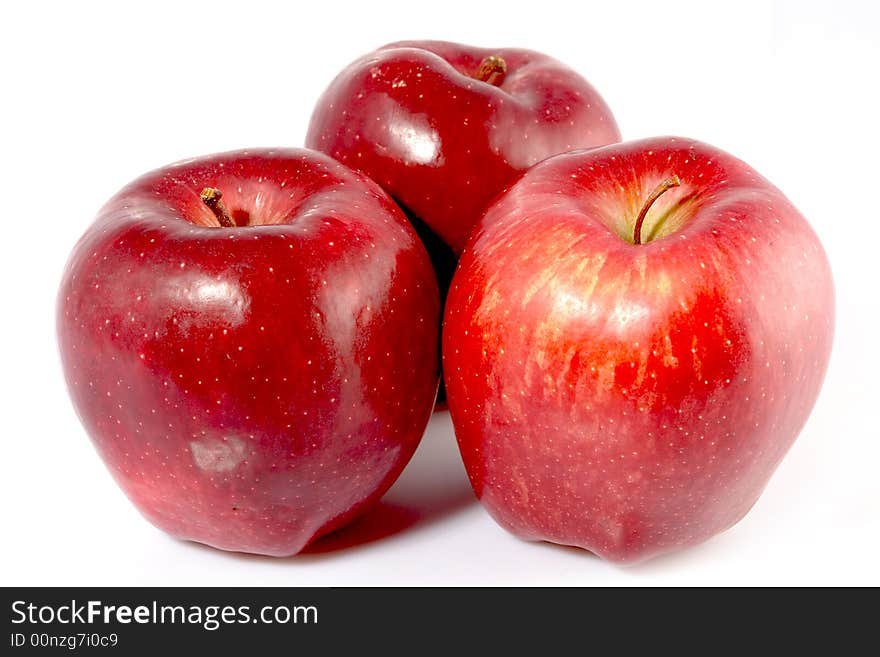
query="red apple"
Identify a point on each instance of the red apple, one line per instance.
(630, 390)
(445, 127)
(255, 366)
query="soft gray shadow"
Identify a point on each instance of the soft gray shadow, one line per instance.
(434, 483)
(432, 487)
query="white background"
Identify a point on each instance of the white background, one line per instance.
(94, 95)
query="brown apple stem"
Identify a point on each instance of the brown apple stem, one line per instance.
(492, 70)
(211, 197)
(672, 181)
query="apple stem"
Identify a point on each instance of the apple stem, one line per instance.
(211, 197)
(492, 70)
(672, 181)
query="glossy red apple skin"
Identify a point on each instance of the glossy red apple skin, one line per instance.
(253, 387)
(634, 399)
(412, 116)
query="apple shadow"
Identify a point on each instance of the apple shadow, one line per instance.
(562, 548)
(432, 487)
(665, 563)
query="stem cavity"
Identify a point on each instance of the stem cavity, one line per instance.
(672, 181)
